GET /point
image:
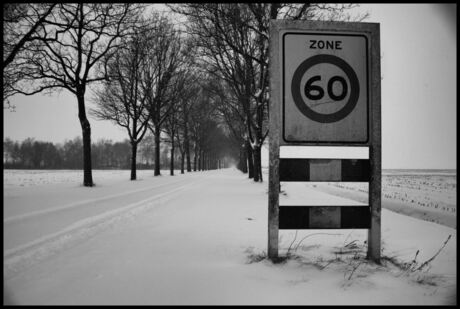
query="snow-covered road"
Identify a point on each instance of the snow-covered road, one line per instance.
(188, 239)
(45, 210)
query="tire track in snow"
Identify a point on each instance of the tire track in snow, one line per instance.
(17, 259)
(80, 203)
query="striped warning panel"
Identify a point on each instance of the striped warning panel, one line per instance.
(324, 217)
(356, 170)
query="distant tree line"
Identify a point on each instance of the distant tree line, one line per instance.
(33, 154)
(106, 154)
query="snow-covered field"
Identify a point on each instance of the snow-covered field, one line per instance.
(26, 178)
(427, 195)
(200, 239)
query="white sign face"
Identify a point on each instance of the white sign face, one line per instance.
(325, 87)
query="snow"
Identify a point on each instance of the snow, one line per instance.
(200, 239)
(430, 197)
(26, 178)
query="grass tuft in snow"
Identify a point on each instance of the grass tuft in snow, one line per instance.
(418, 272)
(256, 257)
(253, 257)
(414, 265)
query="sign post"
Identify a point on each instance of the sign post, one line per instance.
(324, 91)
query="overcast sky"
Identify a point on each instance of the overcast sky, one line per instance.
(419, 61)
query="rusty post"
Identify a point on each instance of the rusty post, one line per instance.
(375, 149)
(274, 185)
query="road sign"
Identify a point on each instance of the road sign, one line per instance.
(324, 91)
(325, 85)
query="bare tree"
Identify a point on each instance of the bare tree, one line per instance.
(121, 99)
(75, 39)
(180, 138)
(158, 81)
(182, 99)
(232, 118)
(172, 128)
(186, 100)
(232, 53)
(206, 130)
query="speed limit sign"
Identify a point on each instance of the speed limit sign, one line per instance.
(324, 91)
(325, 87)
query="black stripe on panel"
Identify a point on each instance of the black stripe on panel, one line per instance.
(351, 170)
(293, 217)
(356, 170)
(324, 217)
(294, 170)
(356, 217)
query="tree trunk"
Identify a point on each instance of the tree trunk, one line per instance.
(86, 132)
(203, 160)
(195, 160)
(187, 147)
(239, 165)
(249, 157)
(257, 163)
(133, 160)
(199, 160)
(244, 160)
(171, 164)
(157, 152)
(182, 163)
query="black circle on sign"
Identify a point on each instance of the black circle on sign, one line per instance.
(307, 111)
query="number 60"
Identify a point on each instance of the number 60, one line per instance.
(309, 88)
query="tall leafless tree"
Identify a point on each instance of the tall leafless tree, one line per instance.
(232, 116)
(187, 100)
(121, 99)
(178, 122)
(232, 53)
(172, 129)
(159, 71)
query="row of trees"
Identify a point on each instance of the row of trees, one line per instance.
(153, 85)
(106, 154)
(204, 88)
(232, 41)
(63, 46)
(144, 77)
(32, 154)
